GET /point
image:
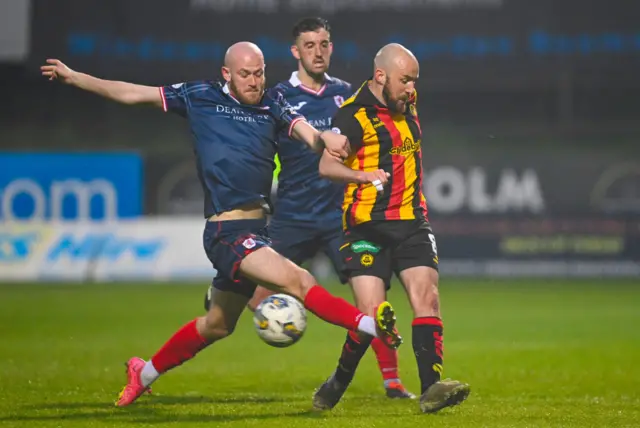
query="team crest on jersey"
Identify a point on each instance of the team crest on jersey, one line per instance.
(339, 100)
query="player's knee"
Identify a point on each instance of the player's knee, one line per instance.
(302, 283)
(213, 328)
(217, 332)
(368, 292)
(425, 297)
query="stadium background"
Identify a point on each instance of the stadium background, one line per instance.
(530, 112)
(531, 147)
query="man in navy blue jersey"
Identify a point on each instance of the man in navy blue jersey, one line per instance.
(234, 125)
(308, 210)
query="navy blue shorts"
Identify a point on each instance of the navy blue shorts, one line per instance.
(299, 242)
(227, 243)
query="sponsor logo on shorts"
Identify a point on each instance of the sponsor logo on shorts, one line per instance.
(365, 246)
(366, 260)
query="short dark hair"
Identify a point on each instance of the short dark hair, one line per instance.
(310, 24)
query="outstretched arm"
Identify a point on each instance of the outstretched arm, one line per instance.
(332, 165)
(333, 168)
(335, 144)
(122, 92)
(301, 130)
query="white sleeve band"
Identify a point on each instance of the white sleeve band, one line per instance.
(164, 99)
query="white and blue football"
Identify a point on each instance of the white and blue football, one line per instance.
(280, 320)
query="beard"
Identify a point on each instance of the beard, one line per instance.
(250, 98)
(395, 105)
(314, 71)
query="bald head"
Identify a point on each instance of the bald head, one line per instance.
(395, 71)
(393, 56)
(243, 71)
(242, 52)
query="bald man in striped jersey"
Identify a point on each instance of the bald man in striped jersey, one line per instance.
(386, 229)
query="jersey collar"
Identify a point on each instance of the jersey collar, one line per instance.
(296, 83)
(225, 89)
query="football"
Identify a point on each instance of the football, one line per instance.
(280, 320)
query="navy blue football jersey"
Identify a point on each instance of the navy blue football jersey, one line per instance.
(234, 143)
(302, 194)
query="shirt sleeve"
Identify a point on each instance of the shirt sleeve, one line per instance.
(177, 98)
(280, 108)
(346, 124)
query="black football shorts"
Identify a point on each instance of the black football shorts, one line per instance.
(381, 248)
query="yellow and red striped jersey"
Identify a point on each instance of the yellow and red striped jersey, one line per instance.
(381, 139)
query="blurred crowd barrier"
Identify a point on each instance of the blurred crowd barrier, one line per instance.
(529, 111)
(117, 216)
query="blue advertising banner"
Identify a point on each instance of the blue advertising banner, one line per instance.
(50, 186)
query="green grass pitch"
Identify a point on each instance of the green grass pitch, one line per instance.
(537, 353)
